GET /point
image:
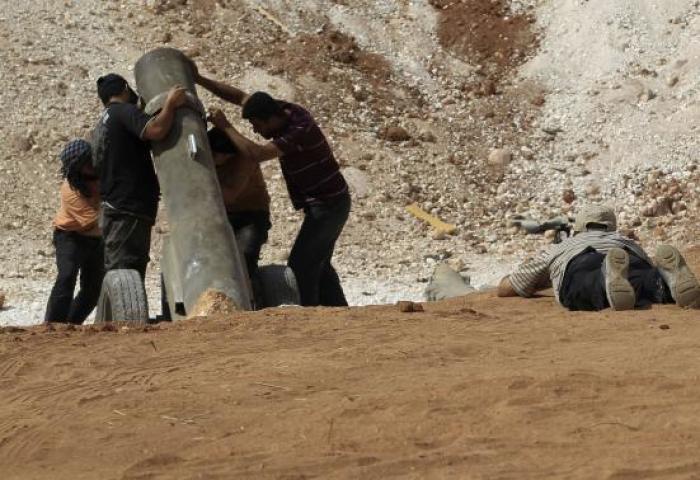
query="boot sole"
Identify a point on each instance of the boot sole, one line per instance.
(685, 288)
(618, 289)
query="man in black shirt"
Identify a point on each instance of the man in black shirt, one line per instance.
(128, 183)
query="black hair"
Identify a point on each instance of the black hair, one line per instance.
(220, 142)
(261, 106)
(110, 86)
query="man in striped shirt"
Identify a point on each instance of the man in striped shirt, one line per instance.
(312, 174)
(598, 268)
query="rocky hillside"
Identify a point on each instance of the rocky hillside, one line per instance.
(478, 110)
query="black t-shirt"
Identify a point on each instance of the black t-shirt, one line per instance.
(127, 177)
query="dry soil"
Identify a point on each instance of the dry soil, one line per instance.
(475, 387)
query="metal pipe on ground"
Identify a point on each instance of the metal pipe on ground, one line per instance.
(200, 255)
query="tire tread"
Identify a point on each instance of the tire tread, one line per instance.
(124, 293)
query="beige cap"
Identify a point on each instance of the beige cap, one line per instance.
(599, 214)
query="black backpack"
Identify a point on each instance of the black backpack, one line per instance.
(100, 141)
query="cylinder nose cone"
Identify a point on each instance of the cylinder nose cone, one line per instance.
(160, 69)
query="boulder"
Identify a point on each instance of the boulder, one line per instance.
(568, 196)
(358, 181)
(395, 134)
(500, 158)
(427, 136)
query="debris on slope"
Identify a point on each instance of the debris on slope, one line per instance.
(476, 110)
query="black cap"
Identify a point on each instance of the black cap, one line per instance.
(262, 106)
(109, 86)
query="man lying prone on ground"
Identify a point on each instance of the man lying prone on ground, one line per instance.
(598, 268)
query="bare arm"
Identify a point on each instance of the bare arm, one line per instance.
(160, 125)
(254, 151)
(225, 92)
(505, 289)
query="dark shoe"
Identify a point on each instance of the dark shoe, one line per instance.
(618, 289)
(683, 285)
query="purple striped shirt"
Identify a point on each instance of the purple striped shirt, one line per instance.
(310, 170)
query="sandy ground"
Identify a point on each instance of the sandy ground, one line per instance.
(475, 387)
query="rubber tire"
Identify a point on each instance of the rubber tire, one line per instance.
(278, 286)
(123, 298)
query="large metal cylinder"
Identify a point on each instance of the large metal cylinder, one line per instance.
(201, 255)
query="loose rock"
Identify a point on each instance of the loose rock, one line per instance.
(395, 134)
(500, 158)
(568, 196)
(409, 307)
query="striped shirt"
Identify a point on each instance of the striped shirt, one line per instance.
(550, 265)
(310, 170)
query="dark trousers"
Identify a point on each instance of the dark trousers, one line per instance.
(310, 258)
(251, 230)
(583, 287)
(75, 254)
(127, 240)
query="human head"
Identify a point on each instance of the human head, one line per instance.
(222, 148)
(76, 165)
(115, 87)
(265, 114)
(595, 217)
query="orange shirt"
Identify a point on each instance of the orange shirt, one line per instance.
(243, 186)
(78, 213)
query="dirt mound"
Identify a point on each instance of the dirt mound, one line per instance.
(213, 302)
(474, 387)
(313, 53)
(486, 32)
(335, 59)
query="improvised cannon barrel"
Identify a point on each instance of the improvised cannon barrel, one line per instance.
(200, 254)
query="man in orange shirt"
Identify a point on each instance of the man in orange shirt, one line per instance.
(245, 197)
(77, 238)
(312, 174)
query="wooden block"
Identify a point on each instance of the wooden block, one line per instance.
(432, 220)
(409, 307)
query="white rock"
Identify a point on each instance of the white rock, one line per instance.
(500, 157)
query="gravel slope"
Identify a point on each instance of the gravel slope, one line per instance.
(603, 104)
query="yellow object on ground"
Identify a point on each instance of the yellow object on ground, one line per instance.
(435, 222)
(266, 13)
